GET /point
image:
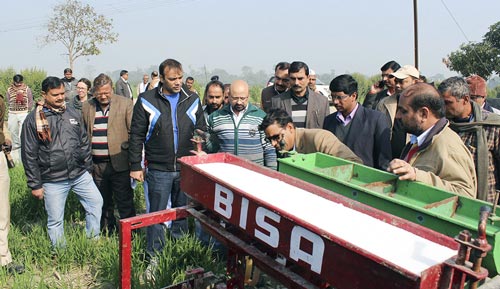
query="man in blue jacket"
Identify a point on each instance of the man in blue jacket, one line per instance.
(163, 122)
(56, 156)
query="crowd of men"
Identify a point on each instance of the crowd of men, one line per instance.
(98, 144)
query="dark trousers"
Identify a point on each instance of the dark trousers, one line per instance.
(115, 189)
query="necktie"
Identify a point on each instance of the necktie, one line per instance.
(411, 152)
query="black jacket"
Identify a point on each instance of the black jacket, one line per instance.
(368, 136)
(152, 127)
(67, 156)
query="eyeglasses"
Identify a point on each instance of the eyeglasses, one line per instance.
(277, 137)
(474, 97)
(239, 98)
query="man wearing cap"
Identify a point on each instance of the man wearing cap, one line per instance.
(281, 84)
(477, 88)
(479, 130)
(404, 77)
(435, 155)
(312, 79)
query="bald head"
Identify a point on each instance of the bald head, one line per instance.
(239, 95)
(424, 95)
(239, 88)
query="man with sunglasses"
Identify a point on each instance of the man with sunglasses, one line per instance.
(282, 134)
(235, 129)
(377, 91)
(404, 77)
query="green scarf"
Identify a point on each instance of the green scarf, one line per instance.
(482, 145)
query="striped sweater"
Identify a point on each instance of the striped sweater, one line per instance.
(243, 140)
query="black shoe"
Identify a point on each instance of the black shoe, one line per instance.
(14, 268)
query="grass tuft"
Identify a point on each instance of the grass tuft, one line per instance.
(86, 263)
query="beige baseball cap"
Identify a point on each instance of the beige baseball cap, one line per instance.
(406, 71)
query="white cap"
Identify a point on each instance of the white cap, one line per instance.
(406, 71)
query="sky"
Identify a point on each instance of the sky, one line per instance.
(340, 35)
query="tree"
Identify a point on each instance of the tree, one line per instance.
(80, 29)
(482, 58)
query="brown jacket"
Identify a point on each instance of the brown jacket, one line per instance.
(120, 117)
(444, 162)
(317, 107)
(389, 105)
(322, 141)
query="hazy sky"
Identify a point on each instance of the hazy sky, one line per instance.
(346, 36)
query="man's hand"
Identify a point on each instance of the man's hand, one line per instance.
(203, 135)
(38, 193)
(198, 153)
(375, 88)
(137, 175)
(403, 169)
(198, 139)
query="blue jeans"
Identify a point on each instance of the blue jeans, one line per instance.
(55, 195)
(163, 186)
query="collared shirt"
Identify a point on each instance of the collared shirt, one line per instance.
(420, 139)
(142, 87)
(237, 117)
(345, 121)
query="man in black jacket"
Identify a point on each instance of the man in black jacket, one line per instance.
(365, 131)
(56, 157)
(163, 122)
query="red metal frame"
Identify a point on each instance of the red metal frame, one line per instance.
(346, 265)
(130, 224)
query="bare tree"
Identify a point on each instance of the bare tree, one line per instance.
(79, 28)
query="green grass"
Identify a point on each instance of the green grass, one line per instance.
(86, 263)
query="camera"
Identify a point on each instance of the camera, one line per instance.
(6, 150)
(381, 84)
